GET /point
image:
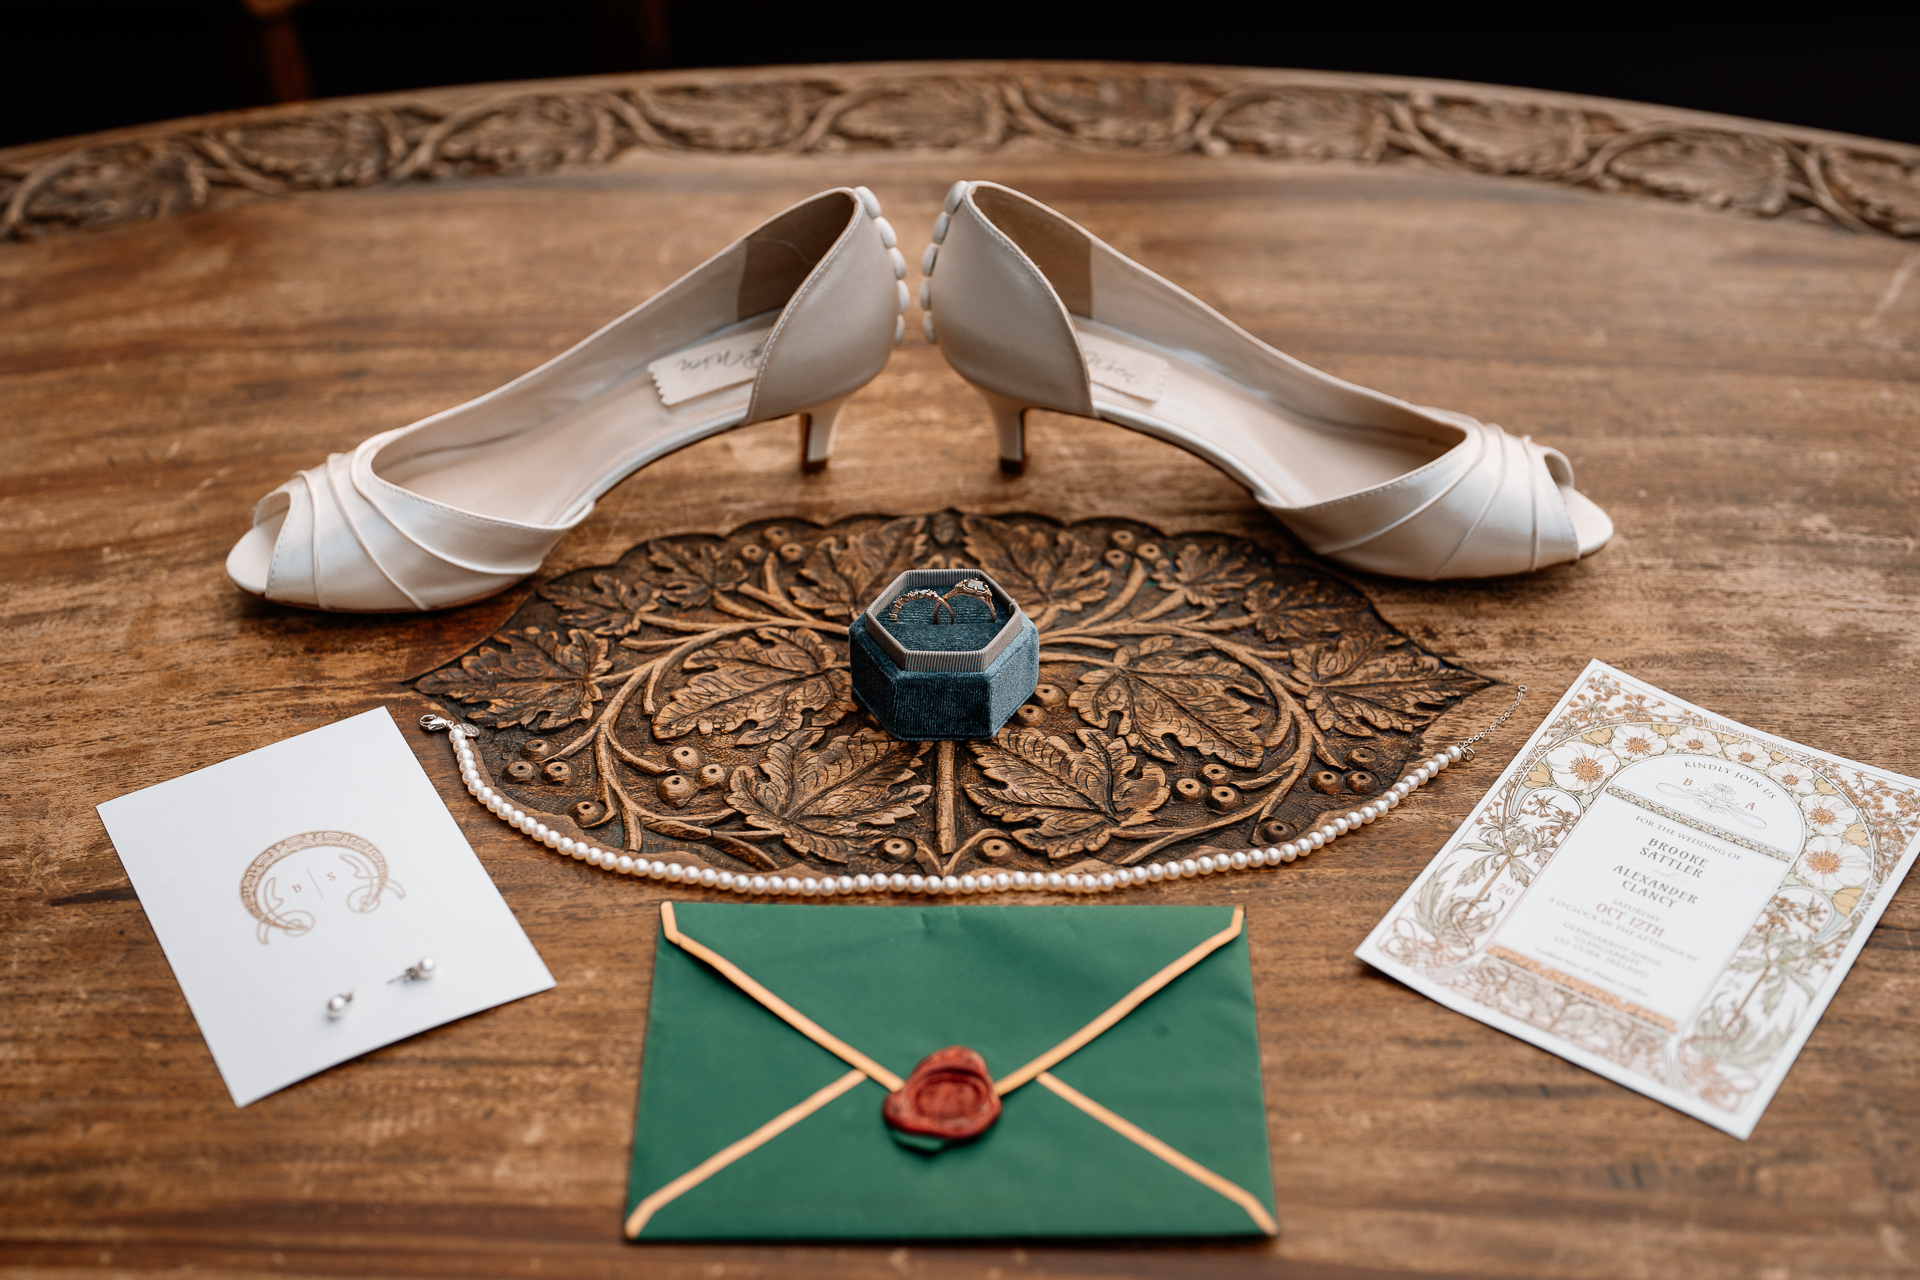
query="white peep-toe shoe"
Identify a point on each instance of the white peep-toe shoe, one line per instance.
(792, 318)
(1037, 313)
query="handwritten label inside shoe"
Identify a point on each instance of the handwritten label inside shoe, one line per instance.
(709, 367)
(1122, 368)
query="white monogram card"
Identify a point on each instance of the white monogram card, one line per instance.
(1659, 894)
(322, 865)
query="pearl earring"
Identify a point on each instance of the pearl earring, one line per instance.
(338, 1005)
(418, 972)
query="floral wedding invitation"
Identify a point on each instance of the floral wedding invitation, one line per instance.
(1659, 894)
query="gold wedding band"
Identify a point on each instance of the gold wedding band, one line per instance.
(973, 587)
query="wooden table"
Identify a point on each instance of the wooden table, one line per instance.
(1717, 320)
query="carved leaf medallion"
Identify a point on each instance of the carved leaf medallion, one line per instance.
(1886, 192)
(1506, 137)
(847, 573)
(695, 697)
(1045, 572)
(773, 682)
(1297, 606)
(1080, 798)
(731, 117)
(694, 573)
(1365, 684)
(610, 606)
(930, 113)
(1204, 577)
(829, 802)
(1725, 170)
(1133, 111)
(540, 680)
(1305, 124)
(1167, 688)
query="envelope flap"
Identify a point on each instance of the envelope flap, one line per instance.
(747, 1128)
(1009, 982)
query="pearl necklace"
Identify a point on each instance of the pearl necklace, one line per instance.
(461, 736)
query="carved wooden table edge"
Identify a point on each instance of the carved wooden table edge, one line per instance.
(977, 108)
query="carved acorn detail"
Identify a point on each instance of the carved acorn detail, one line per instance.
(949, 1095)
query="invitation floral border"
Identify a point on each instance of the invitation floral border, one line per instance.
(1857, 826)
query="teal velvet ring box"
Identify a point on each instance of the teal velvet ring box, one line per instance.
(958, 678)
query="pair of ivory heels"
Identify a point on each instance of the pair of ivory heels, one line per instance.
(803, 311)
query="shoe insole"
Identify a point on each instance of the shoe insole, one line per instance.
(539, 469)
(1278, 452)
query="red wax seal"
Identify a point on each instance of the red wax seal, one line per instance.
(949, 1095)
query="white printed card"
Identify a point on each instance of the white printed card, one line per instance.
(322, 865)
(1659, 894)
(709, 367)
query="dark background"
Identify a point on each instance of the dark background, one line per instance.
(74, 66)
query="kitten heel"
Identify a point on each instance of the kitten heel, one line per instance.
(816, 433)
(1010, 426)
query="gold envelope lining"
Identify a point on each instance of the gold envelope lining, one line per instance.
(867, 1068)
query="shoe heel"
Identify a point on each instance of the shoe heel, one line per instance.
(816, 433)
(1010, 425)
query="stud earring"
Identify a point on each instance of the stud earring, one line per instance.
(419, 972)
(338, 1005)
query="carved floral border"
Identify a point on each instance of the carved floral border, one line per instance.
(1716, 162)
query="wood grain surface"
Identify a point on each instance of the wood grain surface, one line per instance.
(1741, 394)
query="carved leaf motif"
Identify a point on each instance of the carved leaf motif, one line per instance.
(1080, 798)
(851, 574)
(1506, 137)
(1039, 572)
(773, 684)
(1363, 683)
(1130, 111)
(1724, 170)
(936, 113)
(1886, 192)
(729, 117)
(695, 571)
(1297, 606)
(826, 803)
(128, 182)
(1165, 689)
(326, 148)
(538, 681)
(529, 135)
(1205, 578)
(612, 606)
(1305, 125)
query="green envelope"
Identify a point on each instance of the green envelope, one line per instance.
(750, 1126)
